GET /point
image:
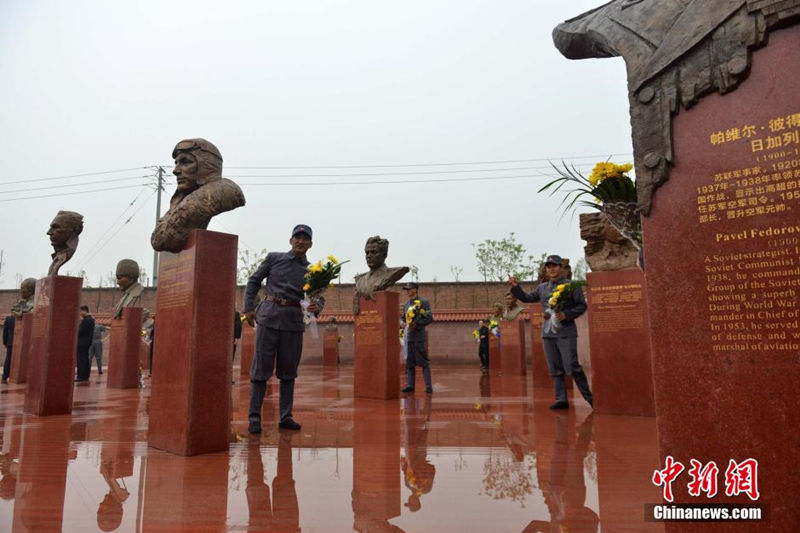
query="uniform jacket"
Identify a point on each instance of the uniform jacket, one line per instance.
(285, 273)
(418, 335)
(574, 306)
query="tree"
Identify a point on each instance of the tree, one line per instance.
(456, 271)
(580, 269)
(497, 259)
(248, 263)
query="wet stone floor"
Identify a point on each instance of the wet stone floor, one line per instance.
(483, 454)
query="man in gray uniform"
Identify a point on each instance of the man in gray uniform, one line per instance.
(279, 336)
(560, 347)
(417, 353)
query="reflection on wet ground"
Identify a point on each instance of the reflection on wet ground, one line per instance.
(483, 453)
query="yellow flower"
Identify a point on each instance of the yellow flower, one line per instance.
(333, 259)
(315, 268)
(306, 287)
(331, 285)
(561, 287)
(417, 302)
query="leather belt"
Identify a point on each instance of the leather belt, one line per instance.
(282, 301)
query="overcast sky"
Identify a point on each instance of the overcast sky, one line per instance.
(96, 86)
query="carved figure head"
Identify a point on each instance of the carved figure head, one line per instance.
(127, 273)
(65, 227)
(375, 252)
(27, 288)
(197, 162)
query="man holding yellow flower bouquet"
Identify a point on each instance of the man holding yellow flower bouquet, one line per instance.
(279, 336)
(417, 315)
(560, 336)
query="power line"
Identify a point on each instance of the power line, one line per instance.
(110, 226)
(390, 182)
(71, 193)
(46, 187)
(500, 162)
(28, 180)
(413, 173)
(111, 237)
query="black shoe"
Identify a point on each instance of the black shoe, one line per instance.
(5, 381)
(100, 372)
(254, 427)
(560, 405)
(408, 389)
(429, 390)
(591, 403)
(289, 424)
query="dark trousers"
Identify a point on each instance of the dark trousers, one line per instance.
(96, 352)
(84, 363)
(562, 358)
(280, 351)
(417, 356)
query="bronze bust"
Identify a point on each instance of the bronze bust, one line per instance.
(202, 193)
(27, 289)
(63, 232)
(128, 281)
(380, 277)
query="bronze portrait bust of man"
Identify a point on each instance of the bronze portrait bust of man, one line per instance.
(202, 194)
(63, 232)
(380, 276)
(25, 303)
(128, 281)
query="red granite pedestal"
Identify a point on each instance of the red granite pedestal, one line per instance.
(125, 350)
(248, 351)
(330, 348)
(51, 369)
(190, 400)
(376, 364)
(721, 254)
(495, 356)
(622, 372)
(20, 356)
(513, 357)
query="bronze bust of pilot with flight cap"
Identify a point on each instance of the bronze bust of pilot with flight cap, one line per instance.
(63, 232)
(380, 277)
(128, 281)
(202, 193)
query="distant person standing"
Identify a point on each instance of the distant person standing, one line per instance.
(483, 344)
(85, 338)
(96, 351)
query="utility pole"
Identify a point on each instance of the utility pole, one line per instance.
(160, 187)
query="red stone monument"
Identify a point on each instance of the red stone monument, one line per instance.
(248, 351)
(125, 349)
(54, 339)
(513, 356)
(495, 357)
(190, 401)
(376, 365)
(20, 357)
(330, 348)
(723, 276)
(622, 372)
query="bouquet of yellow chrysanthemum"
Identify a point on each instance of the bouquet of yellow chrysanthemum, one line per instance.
(476, 335)
(613, 192)
(557, 301)
(319, 277)
(415, 313)
(494, 328)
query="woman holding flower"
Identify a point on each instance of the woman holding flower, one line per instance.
(561, 342)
